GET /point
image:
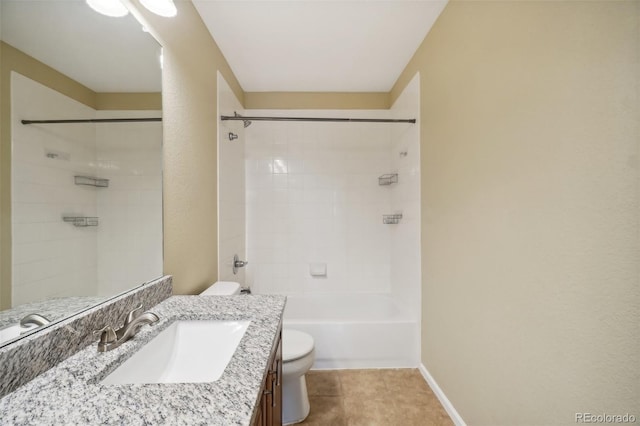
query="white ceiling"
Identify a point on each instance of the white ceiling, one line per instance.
(325, 46)
(105, 54)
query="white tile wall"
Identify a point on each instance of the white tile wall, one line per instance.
(130, 210)
(50, 258)
(55, 259)
(231, 187)
(313, 197)
(405, 198)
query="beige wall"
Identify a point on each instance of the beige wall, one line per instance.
(129, 101)
(316, 100)
(189, 89)
(530, 198)
(12, 59)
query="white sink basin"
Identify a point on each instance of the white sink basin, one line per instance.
(186, 352)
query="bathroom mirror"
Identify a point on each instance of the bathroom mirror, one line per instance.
(81, 201)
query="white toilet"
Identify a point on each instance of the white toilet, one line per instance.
(222, 288)
(297, 358)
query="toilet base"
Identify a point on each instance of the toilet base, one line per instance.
(295, 401)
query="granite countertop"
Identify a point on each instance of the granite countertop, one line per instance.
(71, 393)
(52, 309)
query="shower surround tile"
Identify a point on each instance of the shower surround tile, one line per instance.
(313, 197)
(231, 187)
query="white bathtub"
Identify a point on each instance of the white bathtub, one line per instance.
(355, 330)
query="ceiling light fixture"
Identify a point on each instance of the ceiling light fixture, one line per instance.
(164, 8)
(113, 8)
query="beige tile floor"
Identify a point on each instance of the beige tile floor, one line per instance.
(372, 398)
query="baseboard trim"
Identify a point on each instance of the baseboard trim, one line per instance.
(448, 406)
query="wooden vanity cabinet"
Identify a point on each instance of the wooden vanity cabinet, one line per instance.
(270, 409)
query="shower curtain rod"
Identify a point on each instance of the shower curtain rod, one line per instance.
(92, 120)
(323, 119)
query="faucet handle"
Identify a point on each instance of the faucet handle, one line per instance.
(135, 312)
(107, 334)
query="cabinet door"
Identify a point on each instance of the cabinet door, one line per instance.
(268, 398)
(276, 414)
(270, 412)
(266, 403)
(259, 420)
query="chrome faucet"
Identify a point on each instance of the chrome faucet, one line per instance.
(34, 319)
(111, 339)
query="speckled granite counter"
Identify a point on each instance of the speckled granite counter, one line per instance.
(70, 393)
(52, 309)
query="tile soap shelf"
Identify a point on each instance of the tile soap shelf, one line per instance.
(81, 221)
(388, 179)
(91, 181)
(391, 219)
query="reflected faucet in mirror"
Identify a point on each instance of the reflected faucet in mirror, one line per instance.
(27, 324)
(34, 319)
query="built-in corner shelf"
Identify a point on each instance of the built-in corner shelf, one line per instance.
(391, 219)
(81, 221)
(91, 181)
(388, 179)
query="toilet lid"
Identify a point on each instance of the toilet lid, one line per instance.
(295, 345)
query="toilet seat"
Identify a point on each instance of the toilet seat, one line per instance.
(295, 345)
